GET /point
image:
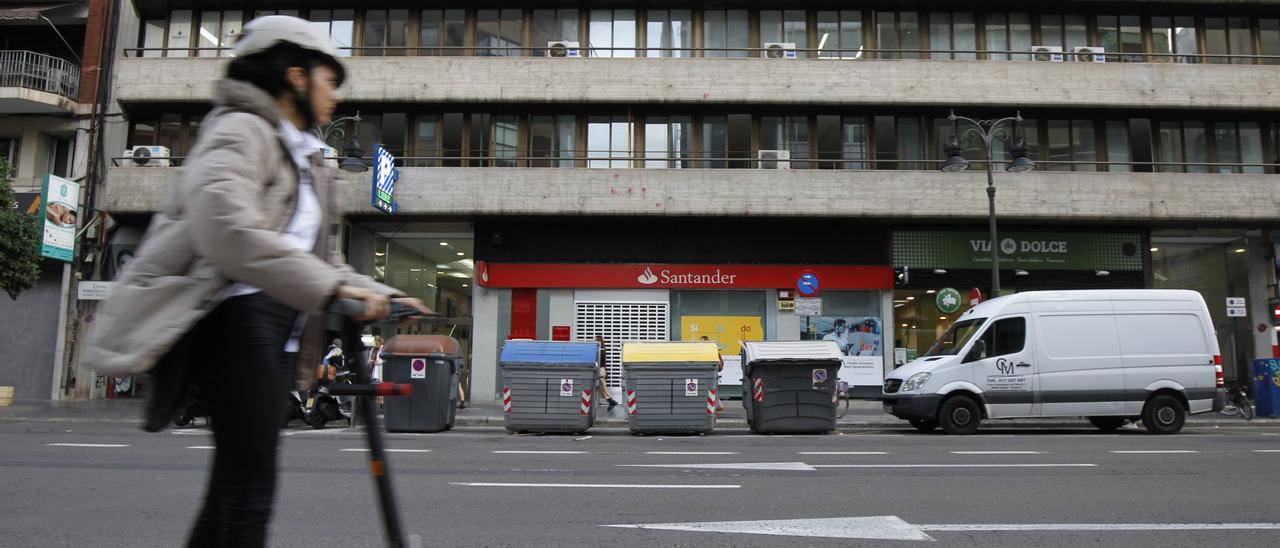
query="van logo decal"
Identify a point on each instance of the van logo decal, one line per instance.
(1004, 366)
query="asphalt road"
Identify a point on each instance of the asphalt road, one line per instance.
(82, 484)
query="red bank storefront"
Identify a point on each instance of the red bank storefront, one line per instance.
(641, 282)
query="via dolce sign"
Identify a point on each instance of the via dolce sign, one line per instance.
(1111, 251)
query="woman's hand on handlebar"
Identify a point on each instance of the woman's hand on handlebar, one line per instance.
(413, 303)
(376, 305)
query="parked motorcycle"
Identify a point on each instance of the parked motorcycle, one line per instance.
(297, 408)
(323, 407)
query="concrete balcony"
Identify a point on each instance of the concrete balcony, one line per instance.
(34, 83)
(828, 82)
(898, 195)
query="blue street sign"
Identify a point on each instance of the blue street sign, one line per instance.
(385, 176)
(807, 284)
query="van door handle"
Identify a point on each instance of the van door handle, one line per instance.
(1023, 364)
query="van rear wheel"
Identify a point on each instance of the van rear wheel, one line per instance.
(1163, 414)
(1107, 424)
(959, 416)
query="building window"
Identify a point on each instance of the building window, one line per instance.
(553, 26)
(385, 28)
(499, 33)
(442, 32)
(1238, 143)
(612, 33)
(724, 30)
(426, 141)
(669, 33)
(1065, 31)
(784, 26)
(1228, 36)
(153, 38)
(840, 34)
(1118, 153)
(1008, 32)
(667, 142)
(1072, 145)
(339, 25)
(1176, 37)
(790, 133)
(952, 31)
(1121, 34)
(217, 32)
(553, 138)
(9, 149)
(897, 35)
(608, 142)
(1269, 39)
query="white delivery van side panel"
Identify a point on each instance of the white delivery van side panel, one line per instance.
(1081, 373)
(1174, 346)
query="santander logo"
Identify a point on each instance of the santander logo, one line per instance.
(647, 278)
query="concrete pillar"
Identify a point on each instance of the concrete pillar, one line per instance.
(485, 341)
(1261, 280)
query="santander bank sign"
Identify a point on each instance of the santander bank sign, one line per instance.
(677, 276)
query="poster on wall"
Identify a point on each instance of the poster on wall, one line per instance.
(860, 339)
(726, 332)
(62, 205)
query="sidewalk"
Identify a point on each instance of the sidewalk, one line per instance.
(859, 414)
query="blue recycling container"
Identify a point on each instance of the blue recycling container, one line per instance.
(1266, 387)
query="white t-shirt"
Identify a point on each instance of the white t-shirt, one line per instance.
(304, 226)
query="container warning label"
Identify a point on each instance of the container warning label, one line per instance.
(691, 387)
(566, 387)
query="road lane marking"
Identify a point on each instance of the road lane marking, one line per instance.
(691, 452)
(1154, 452)
(1266, 450)
(365, 450)
(112, 445)
(996, 453)
(1011, 465)
(895, 528)
(200, 447)
(792, 466)
(540, 452)
(596, 485)
(842, 452)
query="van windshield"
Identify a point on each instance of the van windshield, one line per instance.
(955, 338)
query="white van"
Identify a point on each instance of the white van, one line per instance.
(1109, 355)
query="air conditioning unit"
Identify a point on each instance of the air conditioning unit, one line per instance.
(563, 48)
(148, 156)
(779, 50)
(774, 159)
(1047, 53)
(1089, 54)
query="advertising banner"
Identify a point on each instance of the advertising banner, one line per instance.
(385, 176)
(860, 339)
(61, 199)
(726, 332)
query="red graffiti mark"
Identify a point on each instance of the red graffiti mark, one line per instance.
(615, 175)
(706, 94)
(613, 191)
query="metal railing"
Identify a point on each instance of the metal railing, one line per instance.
(40, 72)
(857, 54)
(600, 160)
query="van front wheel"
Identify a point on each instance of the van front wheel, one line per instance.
(959, 416)
(1163, 414)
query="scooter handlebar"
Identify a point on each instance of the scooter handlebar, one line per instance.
(355, 307)
(380, 389)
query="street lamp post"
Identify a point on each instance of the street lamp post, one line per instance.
(354, 161)
(1020, 161)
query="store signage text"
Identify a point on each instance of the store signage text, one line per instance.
(1030, 250)
(678, 276)
(1010, 246)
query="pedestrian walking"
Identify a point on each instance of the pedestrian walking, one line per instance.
(602, 384)
(238, 268)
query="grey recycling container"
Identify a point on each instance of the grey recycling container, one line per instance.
(549, 386)
(670, 387)
(429, 363)
(790, 386)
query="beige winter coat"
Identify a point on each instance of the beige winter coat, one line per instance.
(221, 224)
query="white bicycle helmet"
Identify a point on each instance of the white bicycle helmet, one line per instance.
(262, 33)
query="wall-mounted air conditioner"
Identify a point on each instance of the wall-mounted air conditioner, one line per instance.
(148, 156)
(1089, 54)
(774, 159)
(779, 50)
(1046, 53)
(563, 48)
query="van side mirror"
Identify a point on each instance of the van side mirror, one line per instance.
(978, 352)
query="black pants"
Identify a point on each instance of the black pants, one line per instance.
(245, 379)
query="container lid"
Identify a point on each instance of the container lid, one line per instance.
(790, 351)
(670, 352)
(421, 345)
(550, 352)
